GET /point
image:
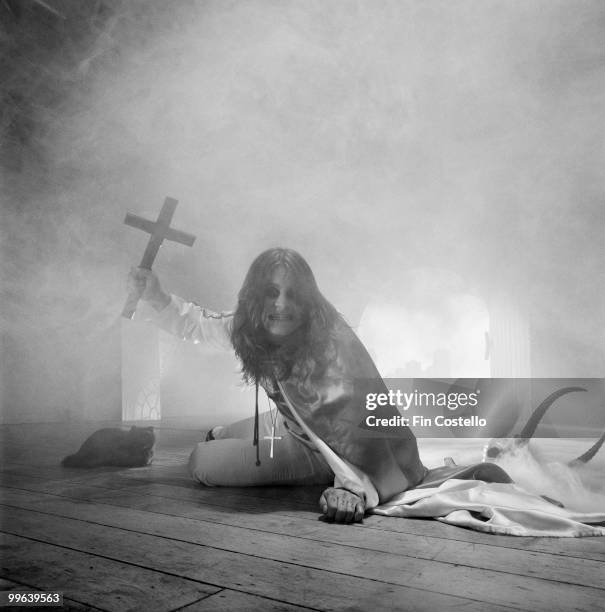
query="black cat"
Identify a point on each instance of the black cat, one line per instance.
(113, 446)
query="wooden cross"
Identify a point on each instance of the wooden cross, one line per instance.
(160, 230)
(272, 437)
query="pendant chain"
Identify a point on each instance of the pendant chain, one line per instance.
(272, 437)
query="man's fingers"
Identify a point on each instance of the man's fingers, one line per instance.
(343, 509)
(349, 508)
(145, 284)
(328, 503)
(340, 515)
(136, 281)
(341, 506)
(323, 504)
(331, 503)
(359, 511)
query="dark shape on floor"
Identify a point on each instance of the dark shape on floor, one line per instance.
(114, 447)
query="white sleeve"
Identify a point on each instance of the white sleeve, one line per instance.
(195, 324)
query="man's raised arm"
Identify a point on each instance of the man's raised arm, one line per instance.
(178, 317)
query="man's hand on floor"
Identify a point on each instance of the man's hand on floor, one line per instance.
(341, 506)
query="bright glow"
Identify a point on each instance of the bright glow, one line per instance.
(429, 325)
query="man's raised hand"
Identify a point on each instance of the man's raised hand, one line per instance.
(341, 506)
(144, 284)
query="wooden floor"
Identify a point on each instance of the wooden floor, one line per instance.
(151, 539)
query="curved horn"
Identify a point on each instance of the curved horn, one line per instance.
(537, 415)
(590, 453)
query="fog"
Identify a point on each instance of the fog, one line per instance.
(541, 468)
(374, 137)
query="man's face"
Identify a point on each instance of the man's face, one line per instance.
(282, 310)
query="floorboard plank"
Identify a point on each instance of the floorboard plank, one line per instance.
(100, 486)
(232, 601)
(568, 570)
(92, 580)
(294, 583)
(477, 584)
(263, 548)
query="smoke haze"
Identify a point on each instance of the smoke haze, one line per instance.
(372, 137)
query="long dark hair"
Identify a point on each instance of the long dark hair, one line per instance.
(308, 350)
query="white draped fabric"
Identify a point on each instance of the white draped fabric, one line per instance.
(504, 509)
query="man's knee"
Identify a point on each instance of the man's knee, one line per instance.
(201, 464)
(223, 463)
